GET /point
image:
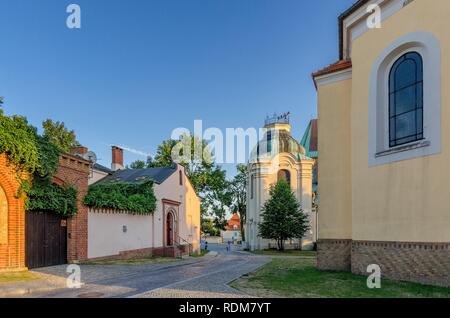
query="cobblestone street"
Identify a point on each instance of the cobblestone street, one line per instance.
(195, 277)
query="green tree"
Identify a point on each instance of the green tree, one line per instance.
(239, 195)
(207, 178)
(208, 227)
(138, 164)
(59, 135)
(283, 218)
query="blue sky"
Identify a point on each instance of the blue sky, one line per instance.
(139, 69)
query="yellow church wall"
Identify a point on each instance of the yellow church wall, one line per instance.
(334, 176)
(406, 201)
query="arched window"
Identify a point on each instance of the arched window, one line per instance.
(406, 100)
(284, 175)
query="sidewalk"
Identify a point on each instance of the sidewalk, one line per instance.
(43, 284)
(54, 278)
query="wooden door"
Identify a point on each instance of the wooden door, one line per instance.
(46, 239)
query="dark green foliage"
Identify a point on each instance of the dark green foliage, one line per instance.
(36, 158)
(239, 193)
(18, 142)
(46, 196)
(138, 164)
(208, 227)
(283, 218)
(59, 135)
(134, 198)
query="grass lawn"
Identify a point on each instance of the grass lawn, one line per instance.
(17, 277)
(299, 278)
(286, 253)
(133, 261)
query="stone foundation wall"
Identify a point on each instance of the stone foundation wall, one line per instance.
(334, 255)
(426, 263)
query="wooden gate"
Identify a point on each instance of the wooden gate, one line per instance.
(46, 239)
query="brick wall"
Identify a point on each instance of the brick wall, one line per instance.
(12, 251)
(426, 263)
(334, 255)
(75, 171)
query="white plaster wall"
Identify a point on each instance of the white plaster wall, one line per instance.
(107, 238)
(96, 175)
(188, 221)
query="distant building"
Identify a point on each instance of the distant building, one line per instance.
(232, 231)
(278, 156)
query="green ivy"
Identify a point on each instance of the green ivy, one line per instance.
(18, 142)
(46, 196)
(130, 197)
(37, 158)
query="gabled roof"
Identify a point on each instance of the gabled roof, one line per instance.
(158, 175)
(335, 67)
(309, 140)
(234, 221)
(101, 168)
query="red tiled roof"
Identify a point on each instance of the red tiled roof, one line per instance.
(235, 220)
(338, 66)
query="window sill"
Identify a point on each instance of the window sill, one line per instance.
(411, 146)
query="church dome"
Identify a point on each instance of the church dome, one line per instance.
(275, 142)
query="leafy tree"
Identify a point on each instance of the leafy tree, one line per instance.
(207, 178)
(163, 156)
(59, 135)
(239, 195)
(138, 164)
(35, 160)
(283, 218)
(208, 227)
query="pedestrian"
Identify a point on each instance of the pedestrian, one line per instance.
(229, 245)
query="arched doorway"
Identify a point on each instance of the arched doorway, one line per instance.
(3, 217)
(170, 228)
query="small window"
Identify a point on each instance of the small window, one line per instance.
(284, 175)
(269, 142)
(406, 100)
(181, 177)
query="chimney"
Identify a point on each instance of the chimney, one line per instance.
(117, 158)
(79, 151)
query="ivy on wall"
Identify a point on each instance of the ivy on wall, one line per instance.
(46, 196)
(36, 160)
(134, 198)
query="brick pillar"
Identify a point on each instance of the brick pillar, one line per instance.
(12, 212)
(74, 171)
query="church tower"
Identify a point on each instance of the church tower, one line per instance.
(278, 156)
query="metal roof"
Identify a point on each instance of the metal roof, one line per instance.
(158, 175)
